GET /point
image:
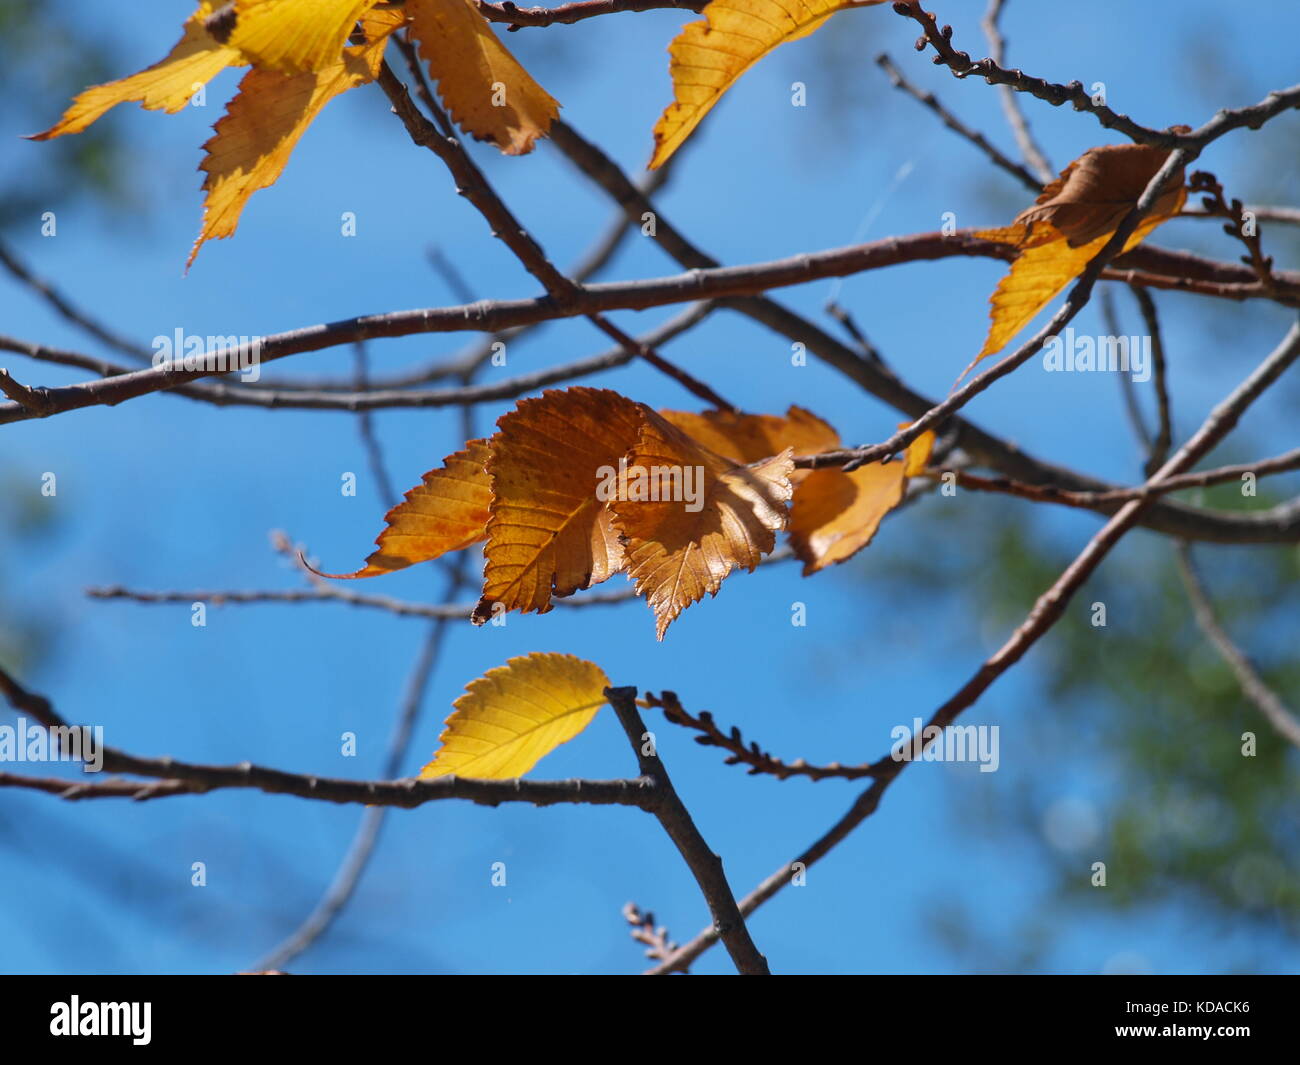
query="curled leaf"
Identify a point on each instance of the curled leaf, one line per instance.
(749, 438)
(836, 514)
(516, 714)
(722, 516)
(1069, 224)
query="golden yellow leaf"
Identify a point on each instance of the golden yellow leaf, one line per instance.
(166, 86)
(717, 516)
(448, 511)
(835, 514)
(516, 714)
(293, 36)
(1070, 222)
(708, 57)
(748, 438)
(484, 88)
(253, 140)
(549, 533)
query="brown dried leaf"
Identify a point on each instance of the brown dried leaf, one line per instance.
(676, 555)
(549, 534)
(1068, 225)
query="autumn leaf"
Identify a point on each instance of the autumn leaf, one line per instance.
(168, 85)
(724, 516)
(835, 514)
(549, 533)
(484, 88)
(708, 57)
(291, 36)
(301, 61)
(516, 714)
(447, 511)
(749, 438)
(1070, 222)
(253, 140)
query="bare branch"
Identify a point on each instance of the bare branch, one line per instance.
(1253, 686)
(728, 924)
(576, 11)
(751, 754)
(929, 100)
(962, 66)
(1029, 147)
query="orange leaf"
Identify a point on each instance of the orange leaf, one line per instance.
(166, 86)
(678, 550)
(252, 142)
(448, 511)
(1068, 225)
(708, 57)
(484, 88)
(748, 438)
(549, 533)
(836, 514)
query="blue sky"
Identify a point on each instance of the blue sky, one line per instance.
(164, 493)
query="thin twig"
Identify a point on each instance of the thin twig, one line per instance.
(1105, 502)
(929, 100)
(1187, 273)
(575, 11)
(750, 754)
(962, 66)
(1029, 147)
(659, 947)
(67, 310)
(1253, 686)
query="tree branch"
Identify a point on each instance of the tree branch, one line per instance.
(1045, 612)
(676, 820)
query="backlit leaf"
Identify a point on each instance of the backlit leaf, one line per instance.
(293, 36)
(549, 534)
(516, 714)
(835, 514)
(679, 549)
(483, 86)
(748, 438)
(166, 86)
(448, 511)
(252, 142)
(708, 57)
(1068, 225)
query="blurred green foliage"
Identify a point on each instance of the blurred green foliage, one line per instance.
(1127, 749)
(47, 58)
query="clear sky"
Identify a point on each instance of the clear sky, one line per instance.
(164, 493)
